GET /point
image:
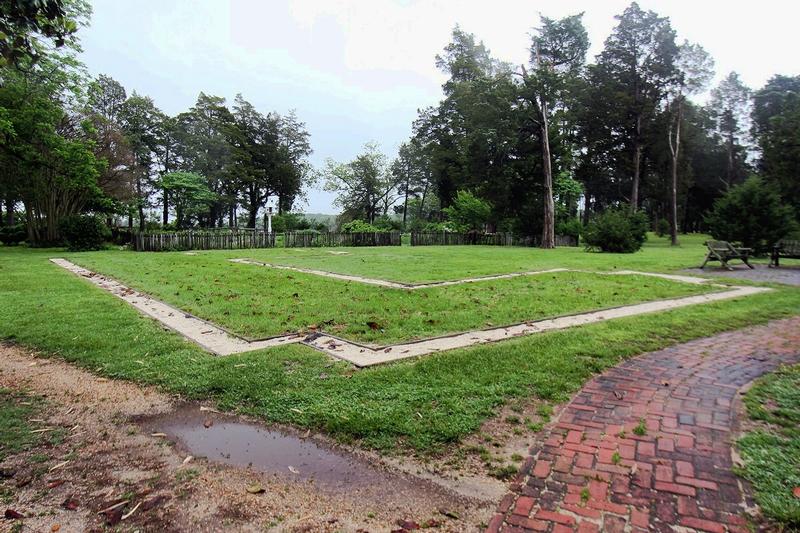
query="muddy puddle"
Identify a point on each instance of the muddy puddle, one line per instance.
(229, 440)
(237, 442)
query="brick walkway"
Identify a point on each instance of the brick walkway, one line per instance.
(596, 472)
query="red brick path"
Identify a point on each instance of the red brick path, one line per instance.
(594, 473)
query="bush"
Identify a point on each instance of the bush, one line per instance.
(83, 232)
(359, 226)
(387, 223)
(571, 227)
(662, 228)
(753, 214)
(616, 230)
(468, 212)
(13, 235)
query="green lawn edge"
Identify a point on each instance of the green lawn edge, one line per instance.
(771, 452)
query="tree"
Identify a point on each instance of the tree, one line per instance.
(254, 140)
(776, 127)
(639, 61)
(29, 27)
(190, 196)
(294, 148)
(47, 154)
(411, 172)
(730, 105)
(464, 59)
(694, 69)
(204, 149)
(468, 212)
(558, 52)
(752, 213)
(167, 158)
(140, 120)
(363, 185)
(105, 101)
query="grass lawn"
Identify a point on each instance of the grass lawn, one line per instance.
(772, 454)
(419, 404)
(259, 302)
(426, 264)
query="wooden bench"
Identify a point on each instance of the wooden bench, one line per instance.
(784, 248)
(723, 251)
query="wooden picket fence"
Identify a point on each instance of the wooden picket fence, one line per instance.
(210, 239)
(442, 238)
(333, 239)
(232, 239)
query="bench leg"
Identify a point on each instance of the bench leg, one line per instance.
(747, 262)
(708, 256)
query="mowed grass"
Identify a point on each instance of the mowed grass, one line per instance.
(772, 454)
(426, 264)
(257, 301)
(422, 405)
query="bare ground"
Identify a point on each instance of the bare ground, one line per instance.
(107, 458)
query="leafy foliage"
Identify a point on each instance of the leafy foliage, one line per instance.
(84, 232)
(468, 212)
(616, 230)
(359, 226)
(12, 235)
(753, 214)
(189, 193)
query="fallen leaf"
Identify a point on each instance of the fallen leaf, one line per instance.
(209, 409)
(373, 325)
(53, 483)
(70, 504)
(293, 470)
(158, 434)
(55, 527)
(11, 514)
(256, 489)
(188, 458)
(207, 423)
(407, 524)
(796, 492)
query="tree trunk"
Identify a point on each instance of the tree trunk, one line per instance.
(637, 159)
(165, 213)
(405, 200)
(729, 174)
(549, 222)
(675, 147)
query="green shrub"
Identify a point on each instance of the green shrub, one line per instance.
(753, 214)
(662, 228)
(571, 227)
(616, 230)
(359, 226)
(83, 232)
(13, 235)
(387, 223)
(468, 212)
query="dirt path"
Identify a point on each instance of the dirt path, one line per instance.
(109, 455)
(647, 446)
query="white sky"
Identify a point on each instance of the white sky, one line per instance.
(358, 70)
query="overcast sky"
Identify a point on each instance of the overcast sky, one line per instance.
(358, 70)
